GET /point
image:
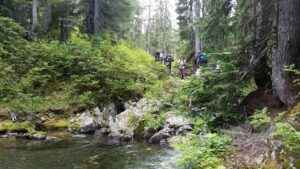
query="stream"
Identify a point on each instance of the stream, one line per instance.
(91, 152)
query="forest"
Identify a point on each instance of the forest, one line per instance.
(154, 84)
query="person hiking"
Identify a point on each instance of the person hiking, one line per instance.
(182, 67)
(168, 61)
(201, 58)
(157, 56)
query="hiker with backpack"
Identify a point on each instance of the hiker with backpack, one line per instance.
(182, 67)
(168, 61)
(157, 56)
(201, 58)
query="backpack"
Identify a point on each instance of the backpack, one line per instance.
(203, 57)
(169, 59)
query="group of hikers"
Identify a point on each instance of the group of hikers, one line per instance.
(200, 57)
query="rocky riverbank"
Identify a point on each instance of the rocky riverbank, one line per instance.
(123, 126)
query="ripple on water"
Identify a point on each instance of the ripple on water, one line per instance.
(92, 152)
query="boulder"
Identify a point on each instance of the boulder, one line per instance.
(162, 134)
(174, 125)
(148, 133)
(176, 122)
(105, 131)
(125, 125)
(51, 138)
(86, 123)
(38, 136)
(4, 136)
(184, 129)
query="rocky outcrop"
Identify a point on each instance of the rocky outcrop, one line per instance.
(123, 125)
(85, 123)
(174, 126)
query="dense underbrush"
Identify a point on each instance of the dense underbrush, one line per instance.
(42, 75)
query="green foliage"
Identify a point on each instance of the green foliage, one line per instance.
(155, 121)
(288, 135)
(260, 120)
(295, 71)
(217, 91)
(165, 91)
(203, 152)
(199, 125)
(49, 75)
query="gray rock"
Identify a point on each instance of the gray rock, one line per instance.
(79, 136)
(176, 122)
(4, 136)
(164, 143)
(38, 136)
(162, 134)
(184, 129)
(12, 134)
(86, 123)
(51, 138)
(148, 133)
(105, 131)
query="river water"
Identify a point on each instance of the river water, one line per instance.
(92, 152)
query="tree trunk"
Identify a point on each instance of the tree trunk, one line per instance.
(35, 21)
(164, 27)
(197, 28)
(261, 72)
(190, 25)
(65, 24)
(48, 18)
(93, 17)
(286, 50)
(149, 28)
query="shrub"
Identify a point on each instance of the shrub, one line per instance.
(288, 135)
(48, 75)
(202, 151)
(260, 120)
(155, 121)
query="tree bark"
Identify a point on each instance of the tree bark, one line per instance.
(197, 27)
(93, 17)
(35, 21)
(262, 77)
(286, 50)
(164, 27)
(190, 25)
(149, 28)
(48, 18)
(65, 24)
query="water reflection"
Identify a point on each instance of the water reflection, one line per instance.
(93, 152)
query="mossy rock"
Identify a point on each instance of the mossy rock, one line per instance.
(61, 124)
(10, 126)
(57, 123)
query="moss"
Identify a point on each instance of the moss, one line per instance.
(295, 112)
(105, 123)
(25, 126)
(61, 124)
(271, 164)
(57, 123)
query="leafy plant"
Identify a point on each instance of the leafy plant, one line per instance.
(155, 121)
(260, 120)
(288, 135)
(202, 151)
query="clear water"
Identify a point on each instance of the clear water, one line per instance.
(93, 152)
